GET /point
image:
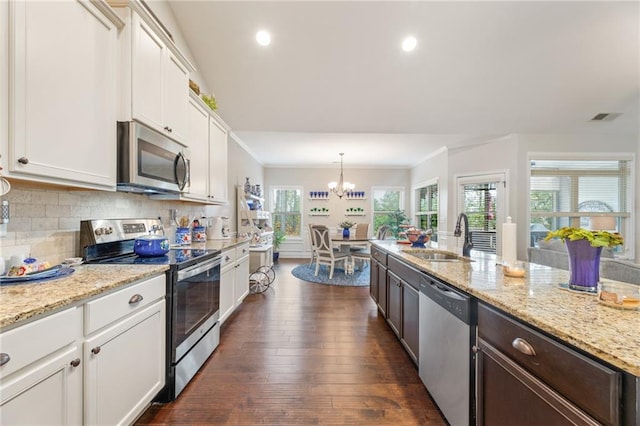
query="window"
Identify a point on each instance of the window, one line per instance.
(581, 192)
(427, 209)
(481, 197)
(387, 208)
(287, 208)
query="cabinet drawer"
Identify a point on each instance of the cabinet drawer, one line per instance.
(228, 258)
(242, 251)
(407, 273)
(379, 255)
(33, 341)
(588, 384)
(110, 308)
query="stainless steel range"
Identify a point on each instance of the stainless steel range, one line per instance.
(193, 291)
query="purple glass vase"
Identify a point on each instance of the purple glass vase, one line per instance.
(584, 265)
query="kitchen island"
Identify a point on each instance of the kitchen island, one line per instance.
(573, 320)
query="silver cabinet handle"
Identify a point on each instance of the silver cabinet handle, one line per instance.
(75, 362)
(23, 160)
(95, 350)
(523, 346)
(4, 358)
(135, 299)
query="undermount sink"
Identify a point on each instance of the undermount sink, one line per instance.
(436, 256)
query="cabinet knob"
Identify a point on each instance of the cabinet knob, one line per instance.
(475, 349)
(75, 362)
(23, 160)
(227, 258)
(135, 299)
(4, 358)
(523, 346)
(168, 129)
(95, 350)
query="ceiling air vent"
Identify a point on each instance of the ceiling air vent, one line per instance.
(606, 116)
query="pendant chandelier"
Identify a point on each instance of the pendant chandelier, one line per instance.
(341, 187)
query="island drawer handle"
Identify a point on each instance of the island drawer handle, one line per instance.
(523, 346)
(135, 299)
(4, 358)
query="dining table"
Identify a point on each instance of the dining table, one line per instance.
(345, 243)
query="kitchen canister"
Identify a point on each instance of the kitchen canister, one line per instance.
(183, 236)
(199, 234)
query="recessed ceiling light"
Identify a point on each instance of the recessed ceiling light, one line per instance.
(263, 38)
(409, 43)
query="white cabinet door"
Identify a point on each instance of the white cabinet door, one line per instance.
(198, 150)
(48, 394)
(41, 372)
(176, 98)
(148, 59)
(125, 367)
(62, 112)
(227, 286)
(217, 161)
(242, 278)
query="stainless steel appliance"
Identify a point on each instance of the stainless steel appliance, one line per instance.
(193, 291)
(448, 321)
(150, 162)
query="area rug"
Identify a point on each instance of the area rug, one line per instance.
(360, 278)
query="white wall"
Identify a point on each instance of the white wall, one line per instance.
(582, 143)
(316, 179)
(511, 154)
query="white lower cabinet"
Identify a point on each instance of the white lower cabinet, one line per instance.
(41, 371)
(125, 361)
(54, 373)
(242, 273)
(234, 279)
(123, 369)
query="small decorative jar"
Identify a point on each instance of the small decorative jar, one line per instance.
(183, 236)
(199, 234)
(345, 232)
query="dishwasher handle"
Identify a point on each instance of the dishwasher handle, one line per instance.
(446, 292)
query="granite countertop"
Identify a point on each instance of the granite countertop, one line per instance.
(612, 335)
(26, 301)
(225, 244)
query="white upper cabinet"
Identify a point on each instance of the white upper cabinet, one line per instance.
(199, 150)
(154, 79)
(62, 92)
(217, 161)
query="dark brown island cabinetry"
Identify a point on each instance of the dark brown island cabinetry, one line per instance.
(527, 378)
(378, 279)
(403, 305)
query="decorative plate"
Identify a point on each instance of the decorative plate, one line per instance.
(48, 274)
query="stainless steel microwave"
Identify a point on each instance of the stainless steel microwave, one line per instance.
(150, 162)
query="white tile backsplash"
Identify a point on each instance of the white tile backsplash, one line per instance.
(45, 222)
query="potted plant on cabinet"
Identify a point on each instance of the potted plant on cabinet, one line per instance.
(584, 248)
(278, 239)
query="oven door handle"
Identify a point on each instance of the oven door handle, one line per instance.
(199, 268)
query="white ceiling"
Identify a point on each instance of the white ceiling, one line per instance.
(334, 78)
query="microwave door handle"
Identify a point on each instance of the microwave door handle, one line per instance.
(181, 180)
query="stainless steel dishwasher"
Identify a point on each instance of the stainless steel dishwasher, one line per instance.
(448, 321)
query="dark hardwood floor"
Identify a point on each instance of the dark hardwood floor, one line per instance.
(303, 354)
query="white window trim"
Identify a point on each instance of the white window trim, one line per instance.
(630, 241)
(302, 218)
(502, 209)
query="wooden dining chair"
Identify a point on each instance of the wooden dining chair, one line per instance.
(313, 244)
(325, 253)
(383, 232)
(362, 231)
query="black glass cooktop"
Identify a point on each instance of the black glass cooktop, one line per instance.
(180, 257)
